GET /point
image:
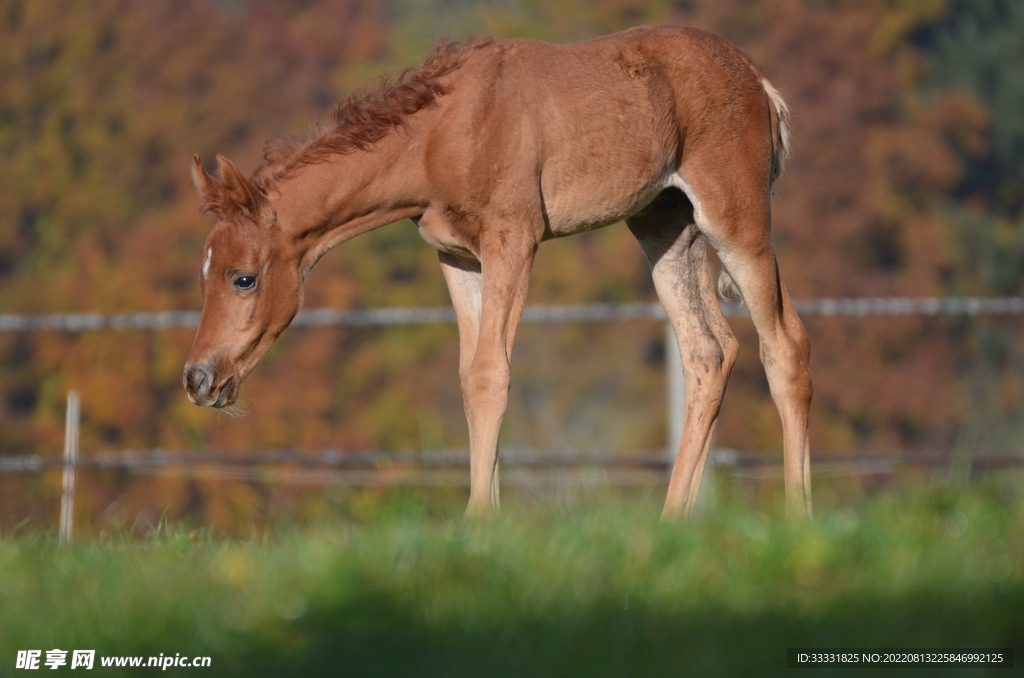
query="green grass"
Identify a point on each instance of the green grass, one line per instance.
(599, 589)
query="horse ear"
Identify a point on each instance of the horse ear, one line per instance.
(209, 189)
(236, 188)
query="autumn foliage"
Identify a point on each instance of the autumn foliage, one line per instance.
(905, 181)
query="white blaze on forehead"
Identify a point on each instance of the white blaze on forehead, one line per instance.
(206, 262)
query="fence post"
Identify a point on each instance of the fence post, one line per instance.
(67, 500)
(676, 391)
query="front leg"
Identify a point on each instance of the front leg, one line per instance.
(488, 300)
(465, 286)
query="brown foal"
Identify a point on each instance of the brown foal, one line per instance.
(492, 147)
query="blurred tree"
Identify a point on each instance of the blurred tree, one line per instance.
(979, 45)
(101, 106)
(905, 181)
(977, 48)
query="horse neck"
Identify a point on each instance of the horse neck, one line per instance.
(325, 204)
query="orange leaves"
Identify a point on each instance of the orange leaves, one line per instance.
(104, 103)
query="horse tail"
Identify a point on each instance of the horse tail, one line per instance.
(780, 123)
(727, 288)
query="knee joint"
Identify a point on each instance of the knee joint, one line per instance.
(788, 371)
(708, 362)
(485, 379)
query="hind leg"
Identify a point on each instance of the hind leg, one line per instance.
(785, 354)
(738, 225)
(677, 253)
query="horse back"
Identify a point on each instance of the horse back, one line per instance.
(593, 130)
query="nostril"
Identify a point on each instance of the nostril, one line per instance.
(197, 380)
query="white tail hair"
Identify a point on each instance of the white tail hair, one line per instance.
(781, 133)
(728, 289)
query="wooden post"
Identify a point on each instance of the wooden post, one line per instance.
(67, 500)
(676, 391)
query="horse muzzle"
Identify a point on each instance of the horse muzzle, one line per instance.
(204, 388)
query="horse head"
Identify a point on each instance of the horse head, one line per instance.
(251, 284)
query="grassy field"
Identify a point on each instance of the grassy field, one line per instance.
(405, 588)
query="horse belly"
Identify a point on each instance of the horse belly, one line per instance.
(587, 209)
(604, 160)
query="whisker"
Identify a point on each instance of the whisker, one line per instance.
(238, 410)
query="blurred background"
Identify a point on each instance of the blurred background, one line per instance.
(907, 180)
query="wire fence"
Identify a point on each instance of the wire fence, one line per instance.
(600, 312)
(405, 468)
(447, 468)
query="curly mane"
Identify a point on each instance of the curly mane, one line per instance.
(368, 114)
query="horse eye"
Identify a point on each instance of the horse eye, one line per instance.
(245, 282)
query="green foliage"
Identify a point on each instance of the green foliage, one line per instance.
(979, 48)
(597, 589)
(989, 254)
(979, 44)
